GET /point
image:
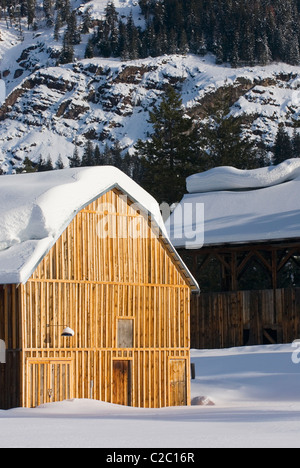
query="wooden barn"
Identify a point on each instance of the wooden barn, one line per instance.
(94, 299)
(239, 234)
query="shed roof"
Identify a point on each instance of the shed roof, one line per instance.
(239, 207)
(36, 208)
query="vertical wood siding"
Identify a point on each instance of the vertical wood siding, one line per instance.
(88, 282)
(224, 320)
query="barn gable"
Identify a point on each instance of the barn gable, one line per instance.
(113, 277)
(35, 209)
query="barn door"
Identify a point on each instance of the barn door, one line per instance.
(178, 383)
(48, 381)
(122, 382)
(60, 381)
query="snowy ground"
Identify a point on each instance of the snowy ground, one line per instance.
(256, 391)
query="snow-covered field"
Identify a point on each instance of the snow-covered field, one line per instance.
(256, 391)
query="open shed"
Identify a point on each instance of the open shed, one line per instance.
(245, 253)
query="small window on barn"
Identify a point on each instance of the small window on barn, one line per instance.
(125, 333)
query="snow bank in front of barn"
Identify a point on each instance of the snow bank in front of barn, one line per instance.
(229, 178)
(257, 404)
(36, 208)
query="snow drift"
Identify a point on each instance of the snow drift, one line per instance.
(239, 207)
(257, 404)
(229, 178)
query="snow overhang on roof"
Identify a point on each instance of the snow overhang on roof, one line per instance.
(230, 206)
(36, 208)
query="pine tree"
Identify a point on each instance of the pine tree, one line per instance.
(67, 53)
(89, 51)
(98, 157)
(65, 10)
(49, 165)
(59, 163)
(58, 25)
(293, 52)
(31, 13)
(283, 148)
(75, 160)
(169, 155)
(72, 29)
(86, 21)
(123, 41)
(263, 52)
(48, 10)
(133, 38)
(116, 156)
(183, 43)
(88, 155)
(224, 145)
(108, 36)
(28, 166)
(41, 164)
(296, 144)
(201, 46)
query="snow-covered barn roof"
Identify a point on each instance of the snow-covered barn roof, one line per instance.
(239, 207)
(36, 208)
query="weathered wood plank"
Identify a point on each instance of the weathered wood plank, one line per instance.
(87, 282)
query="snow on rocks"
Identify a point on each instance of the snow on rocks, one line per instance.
(2, 92)
(108, 100)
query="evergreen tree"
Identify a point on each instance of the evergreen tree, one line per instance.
(86, 21)
(58, 25)
(72, 29)
(108, 33)
(31, 12)
(67, 53)
(41, 164)
(49, 165)
(48, 10)
(28, 166)
(89, 51)
(293, 52)
(75, 160)
(98, 157)
(132, 38)
(224, 145)
(123, 42)
(283, 147)
(88, 155)
(65, 10)
(296, 144)
(59, 163)
(116, 156)
(169, 156)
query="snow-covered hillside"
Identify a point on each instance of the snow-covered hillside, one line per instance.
(49, 108)
(257, 404)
